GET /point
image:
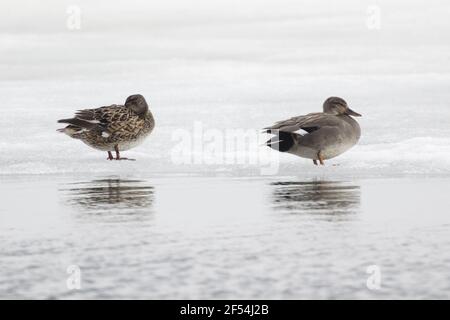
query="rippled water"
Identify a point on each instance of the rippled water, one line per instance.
(190, 237)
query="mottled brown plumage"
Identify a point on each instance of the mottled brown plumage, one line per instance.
(112, 128)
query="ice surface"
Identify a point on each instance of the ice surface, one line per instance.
(228, 67)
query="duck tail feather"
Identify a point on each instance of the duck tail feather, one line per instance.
(71, 130)
(78, 123)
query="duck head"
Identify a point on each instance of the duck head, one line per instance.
(137, 104)
(338, 106)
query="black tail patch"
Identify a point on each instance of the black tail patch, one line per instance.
(283, 141)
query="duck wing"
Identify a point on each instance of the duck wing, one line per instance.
(309, 123)
(99, 120)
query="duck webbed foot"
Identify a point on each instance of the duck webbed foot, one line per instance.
(125, 159)
(315, 162)
(118, 157)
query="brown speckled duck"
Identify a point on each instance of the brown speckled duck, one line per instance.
(112, 128)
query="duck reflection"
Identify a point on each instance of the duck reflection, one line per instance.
(110, 194)
(323, 197)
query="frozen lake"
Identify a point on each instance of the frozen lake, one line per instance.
(199, 214)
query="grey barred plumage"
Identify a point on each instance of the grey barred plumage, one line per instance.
(112, 128)
(329, 133)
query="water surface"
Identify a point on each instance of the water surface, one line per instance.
(219, 238)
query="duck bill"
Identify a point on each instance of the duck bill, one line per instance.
(350, 112)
